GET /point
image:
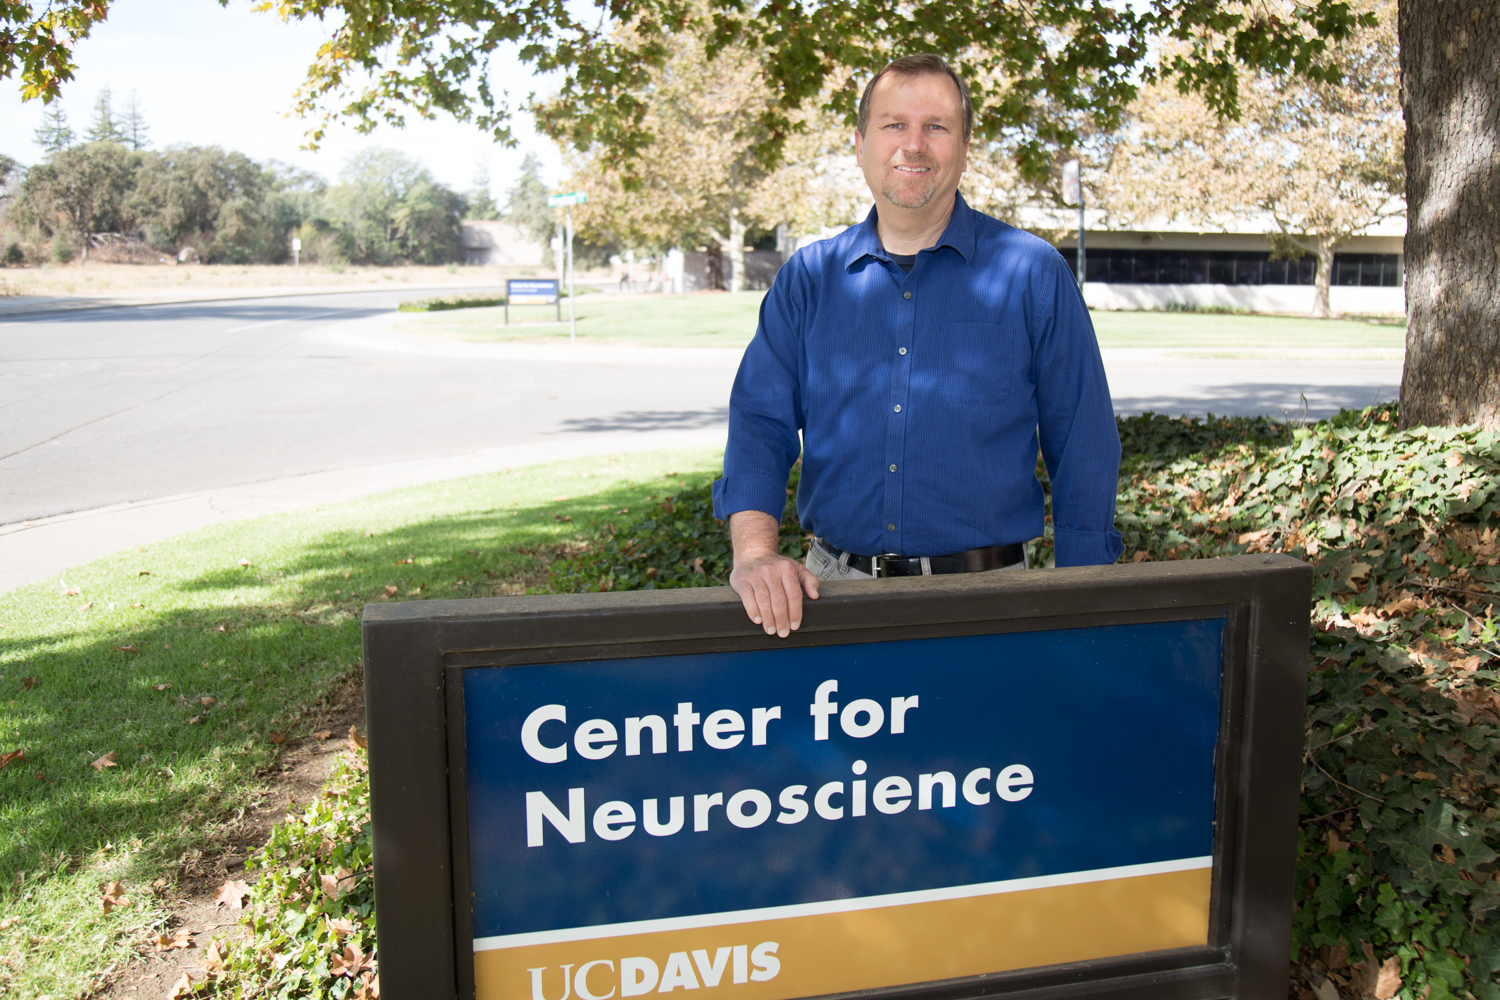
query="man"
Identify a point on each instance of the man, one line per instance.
(923, 355)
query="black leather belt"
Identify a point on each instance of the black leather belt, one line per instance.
(973, 561)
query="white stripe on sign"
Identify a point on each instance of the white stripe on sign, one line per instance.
(834, 905)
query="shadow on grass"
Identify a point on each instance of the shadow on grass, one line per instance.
(190, 706)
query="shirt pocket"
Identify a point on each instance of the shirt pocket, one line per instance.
(975, 362)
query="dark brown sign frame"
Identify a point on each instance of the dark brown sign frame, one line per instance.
(414, 655)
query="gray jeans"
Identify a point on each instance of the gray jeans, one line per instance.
(824, 565)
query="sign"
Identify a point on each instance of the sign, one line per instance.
(530, 291)
(1072, 191)
(571, 198)
(1021, 779)
(296, 244)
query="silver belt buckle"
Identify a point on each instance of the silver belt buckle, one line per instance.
(877, 563)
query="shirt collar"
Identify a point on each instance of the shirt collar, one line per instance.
(959, 235)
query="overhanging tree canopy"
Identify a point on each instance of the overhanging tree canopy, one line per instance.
(389, 58)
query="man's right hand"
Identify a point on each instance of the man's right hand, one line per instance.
(769, 584)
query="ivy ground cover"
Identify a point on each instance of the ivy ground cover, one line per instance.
(1397, 876)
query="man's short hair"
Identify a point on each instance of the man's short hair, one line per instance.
(922, 64)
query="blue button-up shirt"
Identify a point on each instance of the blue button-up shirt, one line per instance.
(922, 397)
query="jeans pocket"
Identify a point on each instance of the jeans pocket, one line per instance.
(819, 564)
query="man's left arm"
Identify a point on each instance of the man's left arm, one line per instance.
(1076, 422)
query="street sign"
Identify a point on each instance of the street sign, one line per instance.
(571, 198)
(1072, 192)
(531, 291)
(1076, 782)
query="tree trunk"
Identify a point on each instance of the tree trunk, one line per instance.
(715, 274)
(1324, 278)
(1450, 93)
(736, 252)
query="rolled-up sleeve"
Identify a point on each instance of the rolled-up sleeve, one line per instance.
(765, 405)
(1076, 424)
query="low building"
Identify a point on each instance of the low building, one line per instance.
(499, 242)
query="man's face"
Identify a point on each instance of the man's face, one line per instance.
(913, 151)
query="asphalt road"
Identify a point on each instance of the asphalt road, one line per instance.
(116, 406)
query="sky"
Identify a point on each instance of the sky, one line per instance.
(207, 75)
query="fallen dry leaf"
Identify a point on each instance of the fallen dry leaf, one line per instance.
(182, 988)
(390, 590)
(166, 942)
(8, 923)
(341, 927)
(222, 628)
(108, 760)
(1454, 459)
(144, 572)
(322, 734)
(356, 741)
(1388, 981)
(1446, 856)
(71, 592)
(214, 955)
(1425, 776)
(1334, 843)
(369, 987)
(195, 720)
(162, 687)
(6, 758)
(127, 649)
(244, 562)
(277, 738)
(114, 897)
(351, 962)
(208, 700)
(27, 683)
(231, 894)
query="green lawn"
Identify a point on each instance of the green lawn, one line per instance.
(725, 320)
(1221, 332)
(218, 656)
(706, 320)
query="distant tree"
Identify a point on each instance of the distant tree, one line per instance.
(104, 126)
(1322, 162)
(704, 177)
(211, 200)
(77, 193)
(297, 202)
(526, 202)
(480, 201)
(388, 209)
(133, 127)
(53, 134)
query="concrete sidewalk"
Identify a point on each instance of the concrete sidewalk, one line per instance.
(32, 551)
(31, 305)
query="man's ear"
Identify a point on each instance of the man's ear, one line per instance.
(859, 149)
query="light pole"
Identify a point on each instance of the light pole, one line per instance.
(1073, 195)
(567, 201)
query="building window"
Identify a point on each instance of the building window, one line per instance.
(1233, 267)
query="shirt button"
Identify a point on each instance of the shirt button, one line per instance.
(898, 407)
(890, 527)
(893, 468)
(906, 295)
(901, 351)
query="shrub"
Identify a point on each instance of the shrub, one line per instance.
(451, 302)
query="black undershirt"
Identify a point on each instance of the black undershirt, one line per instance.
(905, 261)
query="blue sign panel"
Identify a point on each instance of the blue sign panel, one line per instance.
(663, 794)
(531, 291)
